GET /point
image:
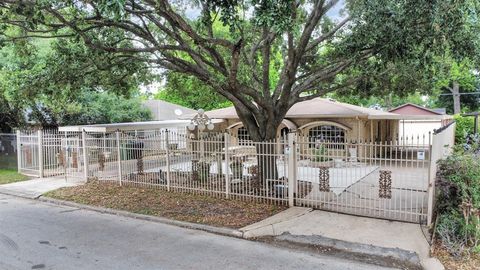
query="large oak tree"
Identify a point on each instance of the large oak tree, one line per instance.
(321, 49)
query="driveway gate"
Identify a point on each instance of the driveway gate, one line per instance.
(384, 180)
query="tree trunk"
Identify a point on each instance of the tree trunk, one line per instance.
(456, 98)
(267, 161)
(263, 132)
(267, 155)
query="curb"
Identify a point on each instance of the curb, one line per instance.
(183, 224)
(19, 194)
(388, 257)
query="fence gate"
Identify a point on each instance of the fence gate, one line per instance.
(28, 153)
(49, 153)
(376, 179)
(72, 155)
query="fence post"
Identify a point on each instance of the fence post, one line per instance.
(227, 161)
(119, 157)
(432, 171)
(40, 153)
(19, 152)
(167, 144)
(85, 155)
(292, 170)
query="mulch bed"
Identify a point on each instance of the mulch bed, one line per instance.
(451, 263)
(175, 205)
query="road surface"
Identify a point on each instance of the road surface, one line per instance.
(38, 235)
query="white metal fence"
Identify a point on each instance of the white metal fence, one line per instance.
(390, 180)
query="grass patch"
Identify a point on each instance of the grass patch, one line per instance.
(175, 205)
(452, 263)
(10, 176)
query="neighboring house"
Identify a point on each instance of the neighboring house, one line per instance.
(420, 120)
(162, 110)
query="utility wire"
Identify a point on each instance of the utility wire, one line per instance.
(469, 93)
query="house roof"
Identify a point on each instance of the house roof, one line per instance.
(413, 109)
(162, 110)
(315, 108)
(146, 125)
(130, 126)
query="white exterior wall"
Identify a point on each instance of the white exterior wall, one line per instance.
(417, 128)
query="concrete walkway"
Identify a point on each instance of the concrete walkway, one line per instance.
(36, 187)
(299, 221)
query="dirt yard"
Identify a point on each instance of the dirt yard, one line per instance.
(175, 205)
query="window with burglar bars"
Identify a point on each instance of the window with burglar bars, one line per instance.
(243, 136)
(327, 135)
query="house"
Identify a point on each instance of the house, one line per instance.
(419, 120)
(162, 110)
(324, 119)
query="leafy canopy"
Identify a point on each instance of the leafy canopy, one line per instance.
(50, 81)
(268, 54)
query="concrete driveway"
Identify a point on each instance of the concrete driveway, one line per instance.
(37, 235)
(36, 187)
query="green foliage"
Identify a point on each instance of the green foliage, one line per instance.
(102, 108)
(190, 92)
(458, 204)
(321, 154)
(463, 129)
(10, 176)
(462, 72)
(52, 82)
(263, 56)
(386, 102)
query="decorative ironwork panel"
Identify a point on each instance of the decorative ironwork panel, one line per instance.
(324, 179)
(61, 158)
(75, 159)
(385, 184)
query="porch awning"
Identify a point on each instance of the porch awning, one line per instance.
(129, 126)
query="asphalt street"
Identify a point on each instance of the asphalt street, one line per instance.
(38, 235)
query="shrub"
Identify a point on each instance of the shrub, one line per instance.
(463, 128)
(458, 204)
(321, 154)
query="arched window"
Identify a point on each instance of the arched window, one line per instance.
(284, 133)
(327, 135)
(243, 136)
